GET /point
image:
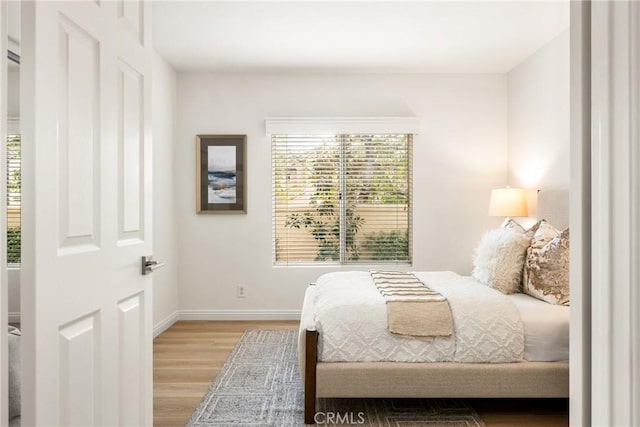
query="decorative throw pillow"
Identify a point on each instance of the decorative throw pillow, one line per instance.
(543, 234)
(546, 270)
(531, 231)
(512, 225)
(499, 258)
(515, 226)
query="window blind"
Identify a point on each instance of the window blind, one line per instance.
(14, 197)
(342, 198)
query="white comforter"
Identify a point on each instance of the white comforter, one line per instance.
(350, 315)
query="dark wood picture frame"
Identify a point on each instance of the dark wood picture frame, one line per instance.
(221, 181)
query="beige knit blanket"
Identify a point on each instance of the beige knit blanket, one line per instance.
(412, 307)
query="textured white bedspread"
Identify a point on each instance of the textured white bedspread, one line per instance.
(350, 315)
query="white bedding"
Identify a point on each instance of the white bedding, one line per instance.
(546, 329)
(350, 315)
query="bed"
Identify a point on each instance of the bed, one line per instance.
(533, 364)
(14, 376)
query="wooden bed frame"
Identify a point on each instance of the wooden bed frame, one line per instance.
(437, 380)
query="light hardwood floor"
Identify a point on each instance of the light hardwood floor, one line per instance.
(188, 356)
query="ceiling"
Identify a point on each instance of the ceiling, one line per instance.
(337, 36)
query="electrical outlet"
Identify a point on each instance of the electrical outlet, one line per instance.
(241, 291)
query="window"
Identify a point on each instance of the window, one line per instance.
(14, 196)
(343, 198)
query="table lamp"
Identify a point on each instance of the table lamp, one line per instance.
(508, 202)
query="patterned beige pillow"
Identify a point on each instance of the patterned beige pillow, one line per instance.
(512, 225)
(534, 228)
(515, 226)
(543, 234)
(546, 268)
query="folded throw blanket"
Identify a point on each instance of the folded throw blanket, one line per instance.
(412, 307)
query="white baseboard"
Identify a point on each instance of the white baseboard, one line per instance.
(168, 321)
(239, 315)
(165, 324)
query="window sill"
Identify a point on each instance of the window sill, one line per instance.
(351, 266)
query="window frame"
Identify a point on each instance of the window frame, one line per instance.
(13, 130)
(343, 202)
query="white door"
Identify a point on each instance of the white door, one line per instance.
(86, 119)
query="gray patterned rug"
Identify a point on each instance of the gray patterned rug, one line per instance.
(259, 385)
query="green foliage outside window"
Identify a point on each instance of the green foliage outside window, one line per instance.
(384, 246)
(322, 218)
(13, 245)
(14, 199)
(375, 170)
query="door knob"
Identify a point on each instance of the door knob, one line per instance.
(149, 265)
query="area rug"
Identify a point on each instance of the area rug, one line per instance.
(259, 385)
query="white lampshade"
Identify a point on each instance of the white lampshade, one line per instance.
(508, 202)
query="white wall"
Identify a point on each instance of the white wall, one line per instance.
(13, 92)
(165, 280)
(538, 111)
(13, 281)
(459, 157)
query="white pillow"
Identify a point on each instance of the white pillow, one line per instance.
(499, 259)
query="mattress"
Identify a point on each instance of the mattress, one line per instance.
(541, 327)
(351, 318)
(546, 329)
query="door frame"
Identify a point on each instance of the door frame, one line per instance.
(605, 183)
(580, 215)
(615, 192)
(4, 304)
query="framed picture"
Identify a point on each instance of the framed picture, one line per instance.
(221, 174)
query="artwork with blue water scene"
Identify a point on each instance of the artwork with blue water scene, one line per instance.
(222, 174)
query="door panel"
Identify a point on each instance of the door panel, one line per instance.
(131, 154)
(131, 336)
(78, 362)
(78, 81)
(131, 14)
(87, 213)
